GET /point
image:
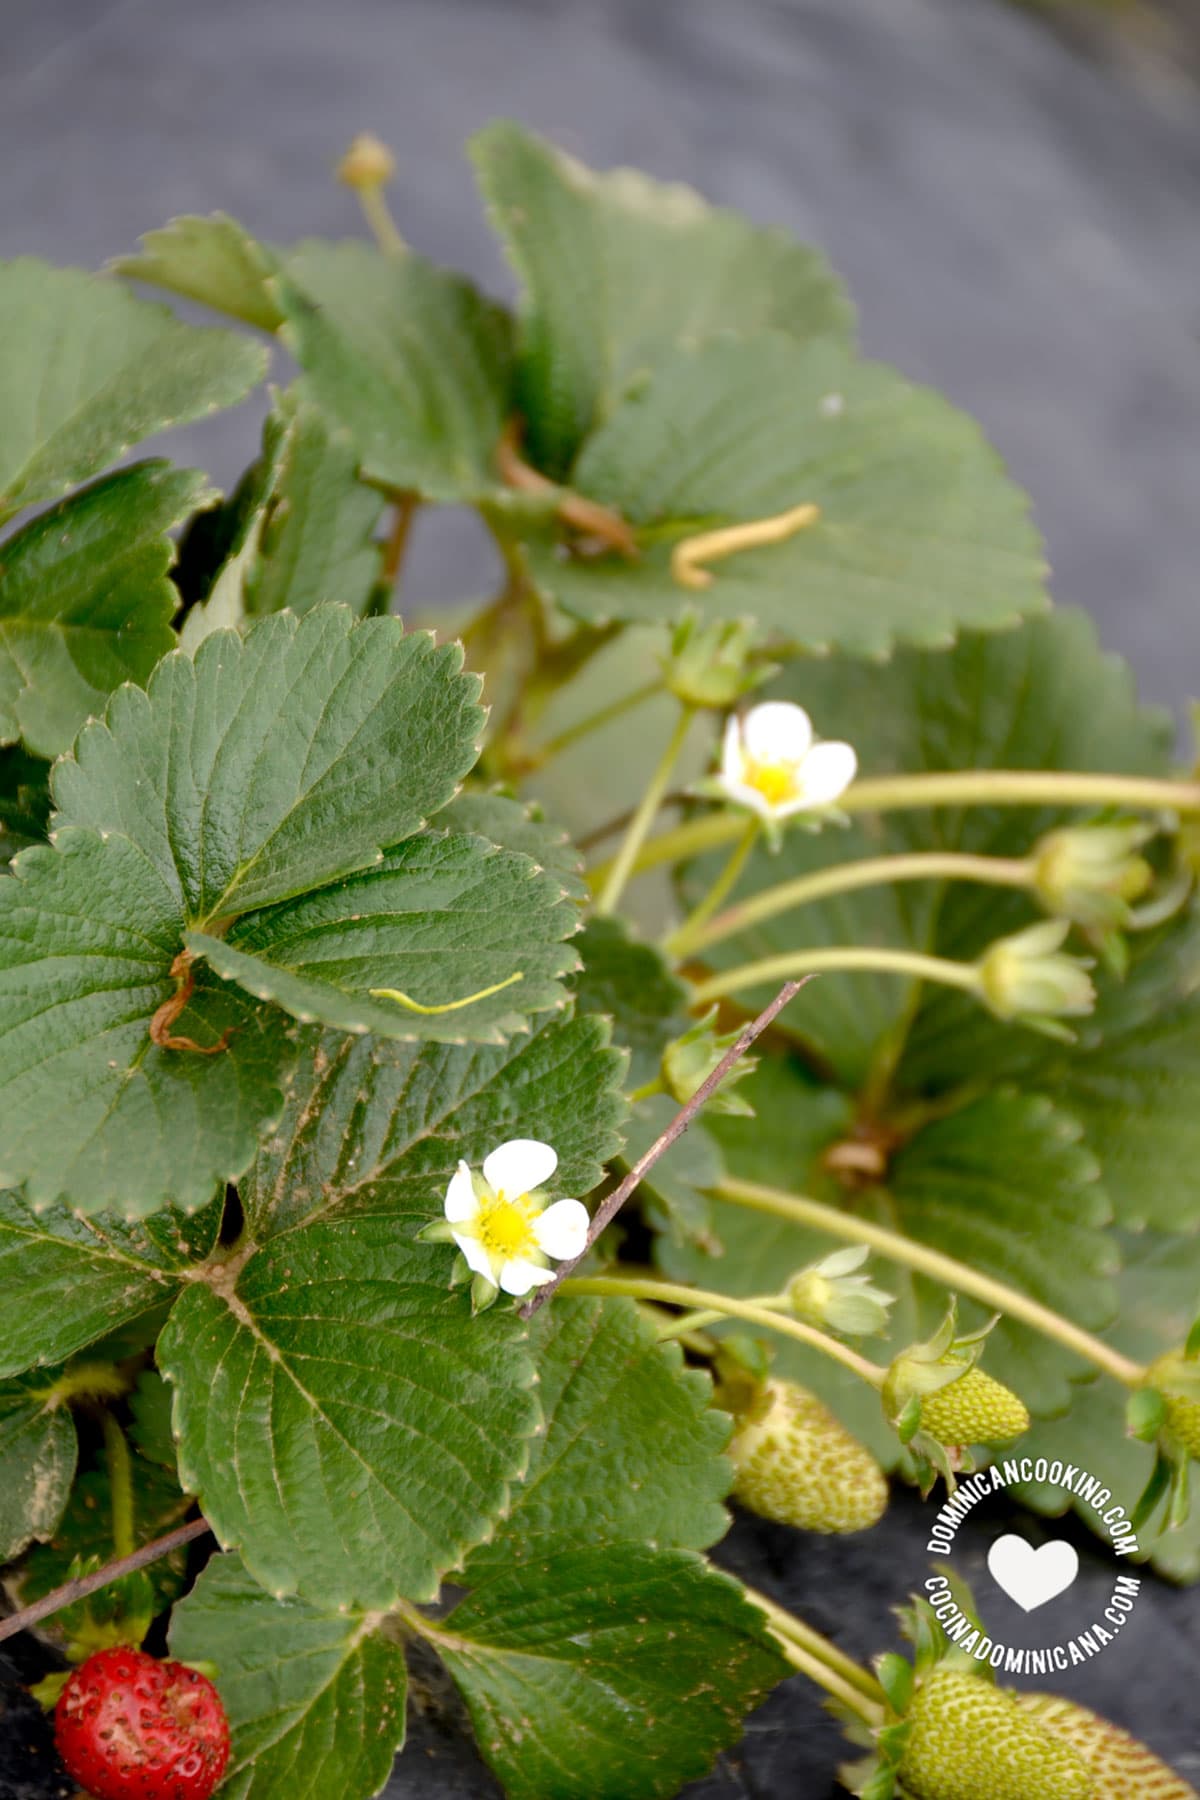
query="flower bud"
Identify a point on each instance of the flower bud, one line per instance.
(1031, 978)
(688, 1061)
(1091, 873)
(830, 1294)
(368, 163)
(712, 666)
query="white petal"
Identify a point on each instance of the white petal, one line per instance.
(777, 732)
(561, 1231)
(518, 1276)
(733, 759)
(478, 1260)
(827, 772)
(741, 795)
(461, 1201)
(519, 1166)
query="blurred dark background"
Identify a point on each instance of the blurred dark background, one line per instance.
(1013, 196)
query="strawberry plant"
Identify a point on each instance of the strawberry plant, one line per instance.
(358, 970)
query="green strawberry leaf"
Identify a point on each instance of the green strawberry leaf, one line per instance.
(279, 761)
(1159, 1287)
(314, 1696)
(346, 1422)
(522, 827)
(1134, 1091)
(617, 269)
(674, 1194)
(84, 1537)
(24, 802)
(1006, 1187)
(595, 1674)
(88, 933)
(150, 1420)
(85, 602)
(630, 1449)
(297, 532)
(97, 372)
(631, 983)
(441, 919)
(381, 1126)
(342, 1344)
(317, 538)
(920, 532)
(70, 1281)
(212, 260)
(411, 360)
(38, 1451)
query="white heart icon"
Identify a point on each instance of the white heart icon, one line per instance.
(1032, 1577)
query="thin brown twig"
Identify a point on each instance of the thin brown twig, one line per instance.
(83, 1585)
(586, 516)
(184, 976)
(608, 1209)
(396, 541)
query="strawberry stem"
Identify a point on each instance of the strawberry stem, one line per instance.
(796, 1633)
(952, 787)
(911, 963)
(643, 818)
(845, 878)
(692, 933)
(726, 1306)
(957, 1276)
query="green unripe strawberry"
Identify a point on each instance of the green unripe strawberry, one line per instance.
(975, 1409)
(1122, 1767)
(1183, 1410)
(797, 1463)
(972, 1741)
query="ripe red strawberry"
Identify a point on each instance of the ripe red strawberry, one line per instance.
(131, 1728)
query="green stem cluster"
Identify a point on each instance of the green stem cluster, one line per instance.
(911, 963)
(957, 1276)
(959, 787)
(753, 1312)
(626, 858)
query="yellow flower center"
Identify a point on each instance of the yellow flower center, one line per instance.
(505, 1227)
(777, 782)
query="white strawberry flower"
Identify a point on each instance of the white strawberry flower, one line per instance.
(500, 1220)
(771, 764)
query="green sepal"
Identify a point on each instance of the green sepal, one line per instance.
(438, 1231)
(895, 1677)
(1179, 1497)
(484, 1293)
(48, 1691)
(460, 1271)
(908, 1420)
(1145, 1414)
(1153, 1492)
